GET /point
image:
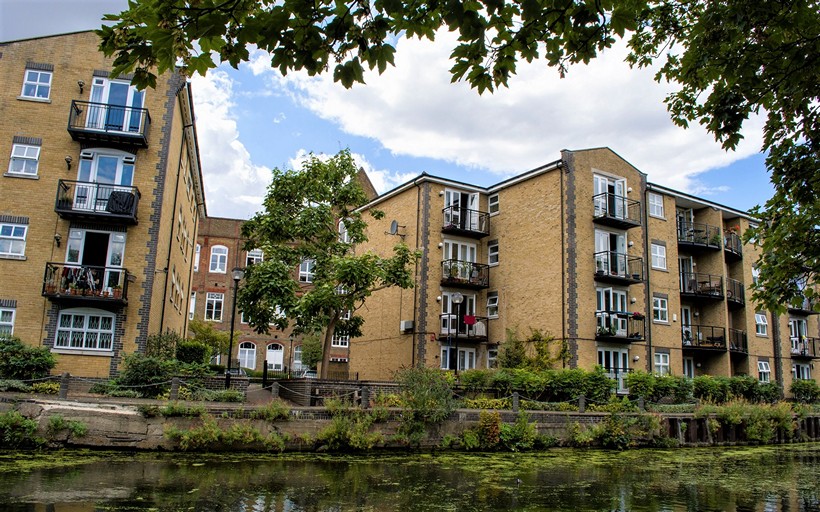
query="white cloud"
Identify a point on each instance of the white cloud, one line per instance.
(414, 110)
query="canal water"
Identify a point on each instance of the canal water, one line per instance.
(772, 478)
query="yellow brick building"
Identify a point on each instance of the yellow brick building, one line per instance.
(100, 198)
(629, 274)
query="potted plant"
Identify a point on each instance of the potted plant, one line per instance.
(117, 291)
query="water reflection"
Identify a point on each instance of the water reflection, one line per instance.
(741, 479)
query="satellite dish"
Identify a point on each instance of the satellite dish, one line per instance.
(394, 227)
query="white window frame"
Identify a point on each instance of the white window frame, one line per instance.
(658, 256)
(492, 254)
(493, 205)
(212, 300)
(660, 309)
(801, 371)
(656, 205)
(254, 256)
(297, 359)
(27, 155)
(492, 306)
(73, 336)
(761, 324)
(755, 275)
(247, 355)
(340, 340)
(192, 306)
(37, 84)
(219, 261)
(344, 236)
(662, 363)
(492, 357)
(764, 371)
(272, 364)
(307, 270)
(197, 252)
(7, 320)
(12, 241)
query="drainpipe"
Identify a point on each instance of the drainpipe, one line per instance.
(778, 353)
(563, 264)
(416, 288)
(647, 287)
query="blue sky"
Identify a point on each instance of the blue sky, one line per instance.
(412, 119)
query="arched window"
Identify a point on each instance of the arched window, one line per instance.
(247, 355)
(219, 259)
(275, 357)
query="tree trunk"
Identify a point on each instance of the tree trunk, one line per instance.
(331, 328)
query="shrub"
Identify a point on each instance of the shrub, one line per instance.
(46, 388)
(57, 424)
(150, 375)
(489, 430)
(488, 403)
(805, 391)
(22, 362)
(162, 345)
(520, 436)
(475, 380)
(427, 393)
(598, 386)
(15, 385)
(273, 411)
(190, 351)
(17, 431)
(745, 387)
(713, 389)
(641, 383)
(770, 392)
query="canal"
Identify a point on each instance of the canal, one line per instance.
(769, 478)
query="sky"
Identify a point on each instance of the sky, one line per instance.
(412, 119)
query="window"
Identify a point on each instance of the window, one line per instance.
(297, 358)
(656, 205)
(492, 253)
(344, 236)
(755, 276)
(492, 306)
(492, 203)
(213, 306)
(13, 240)
(115, 105)
(253, 257)
(764, 371)
(24, 159)
(247, 355)
(492, 358)
(196, 257)
(307, 270)
(660, 309)
(192, 307)
(661, 363)
(275, 357)
(83, 329)
(7, 320)
(339, 340)
(658, 256)
(801, 372)
(36, 84)
(219, 259)
(761, 324)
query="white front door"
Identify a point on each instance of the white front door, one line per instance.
(466, 359)
(275, 357)
(615, 361)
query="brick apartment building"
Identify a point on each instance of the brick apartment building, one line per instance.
(630, 274)
(100, 201)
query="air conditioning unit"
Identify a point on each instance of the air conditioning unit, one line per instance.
(406, 326)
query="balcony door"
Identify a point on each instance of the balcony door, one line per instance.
(610, 301)
(461, 209)
(685, 217)
(460, 257)
(94, 258)
(610, 250)
(116, 105)
(452, 315)
(99, 174)
(688, 283)
(615, 361)
(798, 327)
(609, 196)
(686, 324)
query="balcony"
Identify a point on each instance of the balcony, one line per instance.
(735, 293)
(737, 341)
(463, 327)
(697, 237)
(616, 211)
(804, 348)
(804, 308)
(465, 222)
(695, 285)
(465, 274)
(101, 122)
(82, 200)
(619, 326)
(89, 286)
(732, 247)
(618, 268)
(703, 337)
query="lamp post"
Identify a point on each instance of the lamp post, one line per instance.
(457, 299)
(237, 274)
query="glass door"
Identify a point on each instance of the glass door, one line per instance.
(116, 106)
(686, 324)
(615, 361)
(689, 367)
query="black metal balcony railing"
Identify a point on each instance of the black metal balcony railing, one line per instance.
(616, 211)
(464, 326)
(67, 281)
(735, 292)
(737, 341)
(465, 274)
(611, 266)
(466, 222)
(695, 234)
(619, 326)
(88, 121)
(733, 246)
(701, 285)
(703, 336)
(804, 347)
(100, 201)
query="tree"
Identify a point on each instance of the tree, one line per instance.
(206, 334)
(730, 59)
(299, 228)
(311, 350)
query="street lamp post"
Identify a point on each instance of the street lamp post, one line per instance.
(457, 299)
(237, 274)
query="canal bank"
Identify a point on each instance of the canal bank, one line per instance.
(141, 424)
